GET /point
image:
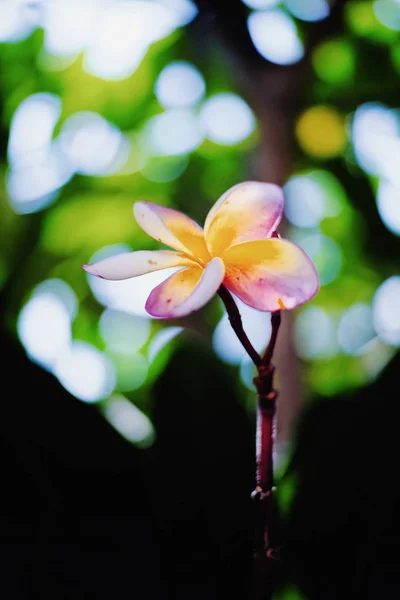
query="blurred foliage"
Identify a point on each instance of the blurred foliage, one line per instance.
(337, 220)
(290, 593)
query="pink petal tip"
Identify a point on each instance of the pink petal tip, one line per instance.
(91, 270)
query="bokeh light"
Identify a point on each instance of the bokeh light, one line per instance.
(274, 34)
(179, 84)
(61, 290)
(68, 25)
(129, 421)
(247, 373)
(355, 330)
(260, 4)
(115, 36)
(227, 119)
(308, 10)
(257, 325)
(334, 61)
(92, 145)
(312, 196)
(323, 251)
(14, 22)
(44, 328)
(35, 187)
(320, 131)
(131, 370)
(388, 203)
(37, 169)
(123, 333)
(174, 132)
(124, 32)
(85, 372)
(388, 13)
(386, 310)
(32, 128)
(376, 140)
(184, 10)
(315, 334)
(363, 21)
(71, 26)
(305, 203)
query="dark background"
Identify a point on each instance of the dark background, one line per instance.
(84, 514)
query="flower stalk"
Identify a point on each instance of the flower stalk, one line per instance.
(265, 439)
(265, 550)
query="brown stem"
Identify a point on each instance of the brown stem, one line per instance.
(237, 326)
(275, 323)
(264, 445)
(265, 551)
(266, 541)
(265, 437)
(266, 404)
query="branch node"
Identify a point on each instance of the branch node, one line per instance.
(259, 494)
(272, 553)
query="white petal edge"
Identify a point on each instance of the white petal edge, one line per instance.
(133, 264)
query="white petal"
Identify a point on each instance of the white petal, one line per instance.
(132, 264)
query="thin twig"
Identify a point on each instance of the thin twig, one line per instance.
(275, 323)
(236, 322)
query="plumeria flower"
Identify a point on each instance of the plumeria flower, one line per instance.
(235, 249)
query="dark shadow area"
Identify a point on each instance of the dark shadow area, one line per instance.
(343, 535)
(205, 464)
(86, 515)
(75, 513)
